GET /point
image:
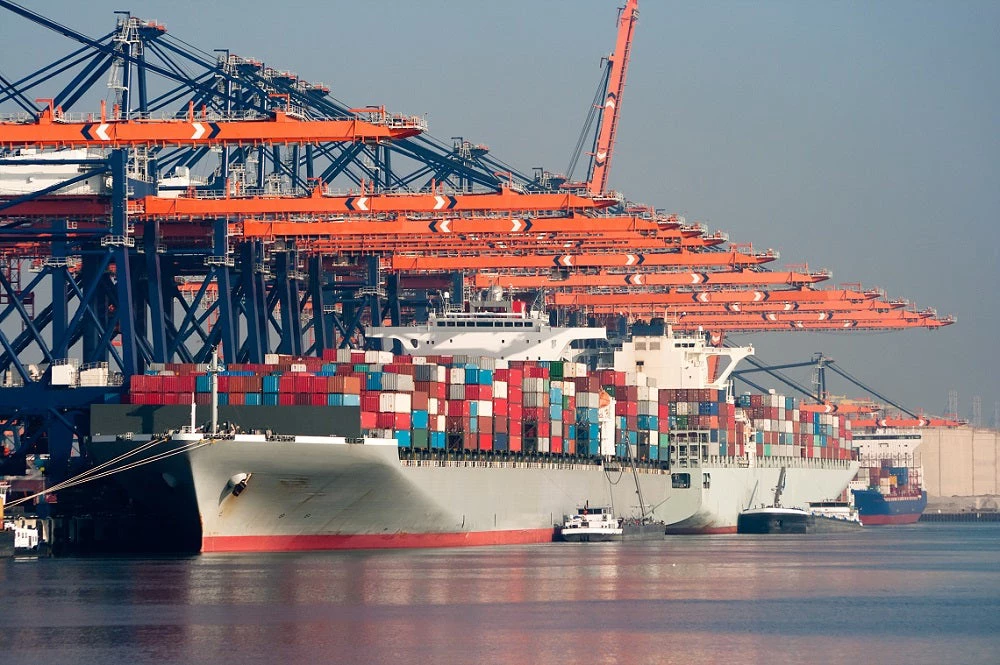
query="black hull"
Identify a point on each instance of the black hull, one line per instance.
(791, 522)
(6, 544)
(651, 531)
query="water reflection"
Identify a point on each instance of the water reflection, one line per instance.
(916, 595)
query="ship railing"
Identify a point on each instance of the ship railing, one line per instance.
(767, 462)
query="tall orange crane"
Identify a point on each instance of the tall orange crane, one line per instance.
(611, 110)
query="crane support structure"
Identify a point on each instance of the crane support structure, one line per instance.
(607, 127)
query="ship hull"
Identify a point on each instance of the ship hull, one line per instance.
(783, 520)
(313, 496)
(733, 486)
(876, 509)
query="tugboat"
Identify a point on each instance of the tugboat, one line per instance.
(591, 525)
(600, 524)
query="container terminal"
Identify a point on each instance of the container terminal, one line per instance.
(123, 275)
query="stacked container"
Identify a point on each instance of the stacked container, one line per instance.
(483, 404)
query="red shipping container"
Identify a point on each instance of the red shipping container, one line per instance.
(369, 420)
(515, 411)
(515, 395)
(485, 441)
(385, 420)
(500, 407)
(458, 407)
(402, 421)
(500, 425)
(544, 428)
(556, 444)
(514, 443)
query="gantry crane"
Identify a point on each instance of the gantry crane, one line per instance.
(316, 219)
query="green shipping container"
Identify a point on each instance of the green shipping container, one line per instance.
(420, 438)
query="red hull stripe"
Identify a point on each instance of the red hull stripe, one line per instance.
(372, 541)
(702, 530)
(875, 520)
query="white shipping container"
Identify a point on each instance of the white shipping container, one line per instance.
(569, 389)
(397, 382)
(395, 403)
(270, 358)
(543, 444)
(94, 376)
(343, 355)
(500, 389)
(432, 405)
(456, 391)
(485, 408)
(682, 408)
(297, 367)
(456, 375)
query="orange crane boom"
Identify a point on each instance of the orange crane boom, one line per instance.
(608, 127)
(52, 129)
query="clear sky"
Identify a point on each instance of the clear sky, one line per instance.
(861, 137)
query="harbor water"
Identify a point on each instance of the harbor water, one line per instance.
(925, 593)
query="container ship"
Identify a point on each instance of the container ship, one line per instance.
(451, 450)
(888, 488)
